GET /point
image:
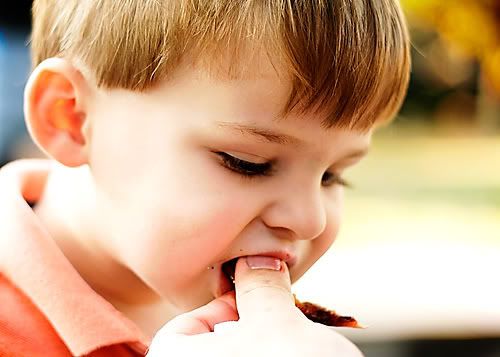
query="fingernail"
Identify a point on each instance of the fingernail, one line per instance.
(261, 262)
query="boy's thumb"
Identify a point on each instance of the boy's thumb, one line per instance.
(263, 288)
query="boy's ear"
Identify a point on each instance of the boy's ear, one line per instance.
(55, 111)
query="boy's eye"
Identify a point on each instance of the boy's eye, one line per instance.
(252, 169)
(243, 167)
(331, 178)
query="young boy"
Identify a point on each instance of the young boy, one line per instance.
(183, 135)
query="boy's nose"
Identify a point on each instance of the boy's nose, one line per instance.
(302, 213)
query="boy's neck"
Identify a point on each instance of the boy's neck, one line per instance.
(71, 217)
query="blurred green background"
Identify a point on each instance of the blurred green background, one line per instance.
(418, 257)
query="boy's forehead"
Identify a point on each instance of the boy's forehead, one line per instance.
(256, 97)
(259, 77)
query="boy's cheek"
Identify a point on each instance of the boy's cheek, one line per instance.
(186, 238)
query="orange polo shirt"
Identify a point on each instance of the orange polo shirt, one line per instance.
(46, 308)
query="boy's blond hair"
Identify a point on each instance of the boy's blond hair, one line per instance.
(348, 57)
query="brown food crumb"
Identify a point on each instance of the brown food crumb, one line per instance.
(324, 316)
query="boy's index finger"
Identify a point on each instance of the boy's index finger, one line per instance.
(263, 288)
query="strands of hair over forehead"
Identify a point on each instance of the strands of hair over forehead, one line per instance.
(346, 58)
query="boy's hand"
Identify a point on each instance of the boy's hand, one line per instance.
(269, 323)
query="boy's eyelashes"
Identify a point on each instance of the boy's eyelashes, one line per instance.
(331, 178)
(243, 167)
(251, 169)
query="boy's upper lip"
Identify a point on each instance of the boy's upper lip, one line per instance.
(288, 257)
(285, 255)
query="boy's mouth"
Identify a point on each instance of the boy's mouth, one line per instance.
(228, 271)
(228, 268)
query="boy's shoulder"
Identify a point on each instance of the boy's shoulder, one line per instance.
(48, 304)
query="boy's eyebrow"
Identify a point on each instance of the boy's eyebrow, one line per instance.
(269, 135)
